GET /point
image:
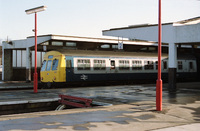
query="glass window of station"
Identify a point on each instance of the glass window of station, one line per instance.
(71, 44)
(57, 43)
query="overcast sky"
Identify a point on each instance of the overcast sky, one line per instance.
(88, 17)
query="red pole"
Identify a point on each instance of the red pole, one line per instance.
(35, 74)
(159, 80)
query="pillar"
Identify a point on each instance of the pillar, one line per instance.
(2, 77)
(172, 67)
(7, 74)
(28, 64)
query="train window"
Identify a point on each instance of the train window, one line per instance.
(148, 65)
(156, 65)
(49, 65)
(55, 64)
(191, 65)
(112, 63)
(180, 65)
(164, 65)
(68, 64)
(124, 64)
(99, 64)
(50, 57)
(44, 65)
(137, 65)
(83, 64)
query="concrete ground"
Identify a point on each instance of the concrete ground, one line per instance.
(15, 85)
(133, 109)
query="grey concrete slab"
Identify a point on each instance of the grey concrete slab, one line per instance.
(133, 109)
(136, 116)
(189, 127)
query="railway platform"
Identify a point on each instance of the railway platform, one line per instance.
(15, 85)
(133, 109)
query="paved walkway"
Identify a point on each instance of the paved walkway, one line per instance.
(133, 110)
(138, 116)
(189, 127)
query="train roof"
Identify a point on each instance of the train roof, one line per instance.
(119, 54)
(108, 53)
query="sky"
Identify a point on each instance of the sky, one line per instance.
(87, 18)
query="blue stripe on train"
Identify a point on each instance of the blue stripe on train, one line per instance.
(123, 77)
(111, 77)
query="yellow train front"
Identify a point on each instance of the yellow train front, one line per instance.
(81, 67)
(53, 69)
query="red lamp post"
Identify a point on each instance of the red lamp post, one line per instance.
(159, 80)
(31, 11)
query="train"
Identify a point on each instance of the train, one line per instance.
(84, 66)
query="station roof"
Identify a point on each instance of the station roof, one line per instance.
(30, 41)
(135, 26)
(190, 21)
(180, 32)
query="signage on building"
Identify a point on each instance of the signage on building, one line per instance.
(120, 46)
(45, 48)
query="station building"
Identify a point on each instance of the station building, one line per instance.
(176, 35)
(18, 55)
(181, 37)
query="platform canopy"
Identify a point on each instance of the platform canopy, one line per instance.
(185, 32)
(29, 42)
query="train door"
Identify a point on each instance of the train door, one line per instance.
(69, 69)
(191, 66)
(164, 66)
(112, 66)
(185, 66)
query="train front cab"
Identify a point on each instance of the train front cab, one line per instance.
(53, 69)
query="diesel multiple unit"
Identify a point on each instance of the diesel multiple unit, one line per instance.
(65, 67)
